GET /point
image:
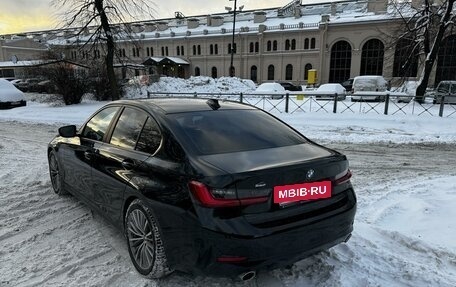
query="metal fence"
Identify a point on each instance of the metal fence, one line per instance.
(294, 103)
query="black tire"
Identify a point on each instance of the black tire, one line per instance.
(55, 172)
(144, 242)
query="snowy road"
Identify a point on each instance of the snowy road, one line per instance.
(404, 231)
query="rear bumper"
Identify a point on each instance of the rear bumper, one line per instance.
(197, 250)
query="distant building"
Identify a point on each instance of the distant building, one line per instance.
(340, 40)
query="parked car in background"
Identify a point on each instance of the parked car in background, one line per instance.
(348, 85)
(447, 89)
(228, 185)
(10, 96)
(46, 86)
(329, 91)
(369, 88)
(290, 87)
(275, 90)
(26, 84)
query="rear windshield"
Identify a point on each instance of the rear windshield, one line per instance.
(225, 131)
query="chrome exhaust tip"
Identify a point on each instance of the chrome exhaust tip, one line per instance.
(247, 276)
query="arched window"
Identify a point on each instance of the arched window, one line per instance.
(274, 45)
(178, 50)
(312, 43)
(197, 71)
(293, 44)
(182, 50)
(287, 44)
(253, 73)
(199, 49)
(166, 50)
(289, 72)
(306, 44)
(405, 59)
(372, 58)
(211, 49)
(340, 63)
(446, 61)
(216, 49)
(269, 46)
(163, 51)
(257, 47)
(194, 49)
(307, 67)
(251, 47)
(214, 72)
(271, 72)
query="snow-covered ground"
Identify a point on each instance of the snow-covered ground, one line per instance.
(405, 229)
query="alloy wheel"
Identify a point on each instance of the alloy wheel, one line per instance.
(141, 239)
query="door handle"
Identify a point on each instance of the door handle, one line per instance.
(127, 164)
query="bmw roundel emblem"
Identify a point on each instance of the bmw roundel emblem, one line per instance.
(310, 173)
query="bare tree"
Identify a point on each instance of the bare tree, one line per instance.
(424, 28)
(107, 19)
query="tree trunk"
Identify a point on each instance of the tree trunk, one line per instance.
(432, 55)
(110, 46)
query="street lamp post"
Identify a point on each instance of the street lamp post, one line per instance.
(232, 39)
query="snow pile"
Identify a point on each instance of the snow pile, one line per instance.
(200, 84)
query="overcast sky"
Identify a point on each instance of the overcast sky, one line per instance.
(34, 15)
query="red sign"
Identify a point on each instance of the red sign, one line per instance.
(302, 191)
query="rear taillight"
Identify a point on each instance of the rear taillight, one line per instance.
(342, 177)
(216, 197)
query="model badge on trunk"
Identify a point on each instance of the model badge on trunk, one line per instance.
(260, 184)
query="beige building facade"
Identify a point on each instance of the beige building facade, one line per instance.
(339, 40)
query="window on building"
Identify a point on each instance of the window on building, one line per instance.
(274, 45)
(269, 46)
(216, 49)
(148, 52)
(178, 50)
(257, 47)
(307, 67)
(293, 44)
(287, 44)
(214, 72)
(182, 51)
(166, 50)
(312, 43)
(446, 60)
(197, 71)
(253, 73)
(289, 72)
(163, 51)
(271, 71)
(372, 58)
(404, 64)
(251, 47)
(306, 44)
(340, 62)
(199, 49)
(234, 48)
(211, 49)
(194, 50)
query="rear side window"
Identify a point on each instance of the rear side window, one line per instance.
(98, 125)
(225, 131)
(150, 138)
(128, 128)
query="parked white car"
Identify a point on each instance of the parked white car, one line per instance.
(10, 96)
(369, 88)
(328, 91)
(275, 90)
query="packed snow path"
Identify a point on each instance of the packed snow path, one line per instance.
(404, 231)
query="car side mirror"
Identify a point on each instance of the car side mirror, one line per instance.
(67, 131)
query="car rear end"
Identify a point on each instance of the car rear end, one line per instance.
(266, 207)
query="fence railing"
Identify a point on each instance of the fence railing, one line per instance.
(295, 102)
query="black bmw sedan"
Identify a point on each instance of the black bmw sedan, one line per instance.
(205, 187)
